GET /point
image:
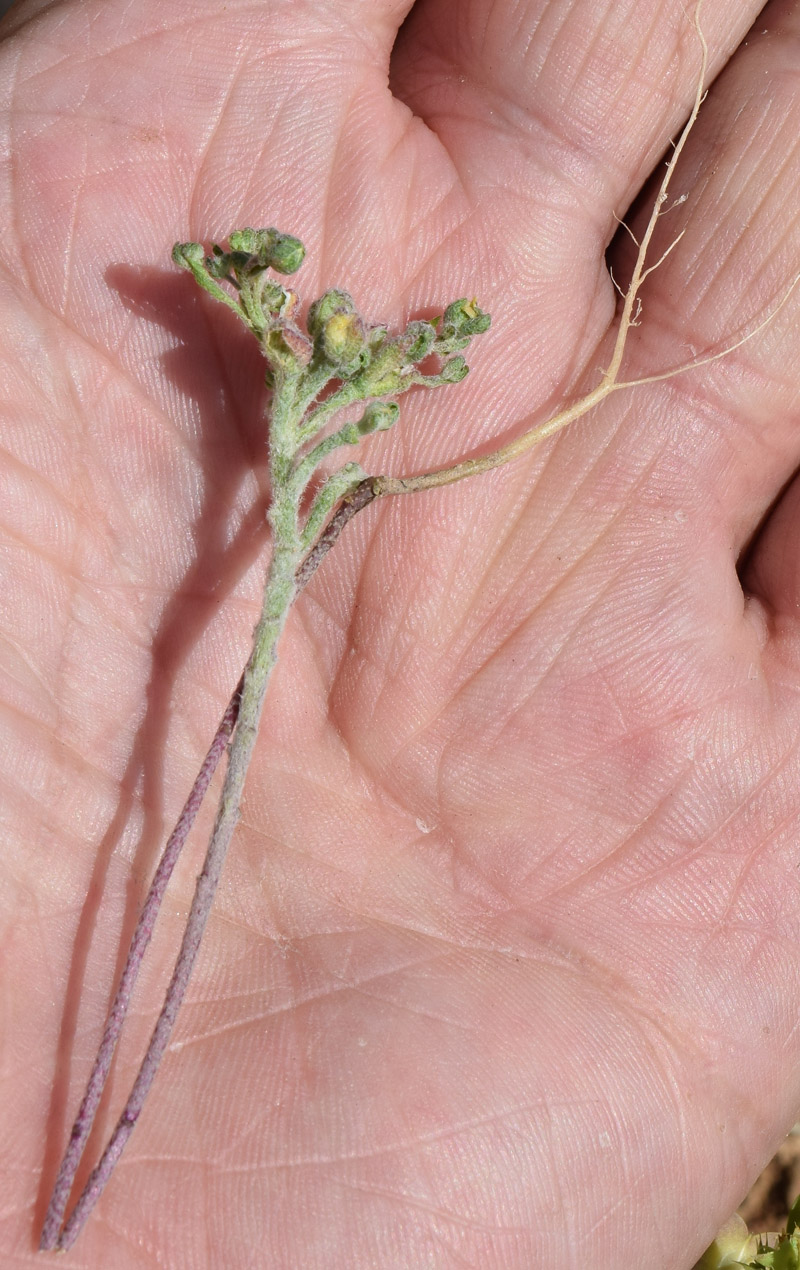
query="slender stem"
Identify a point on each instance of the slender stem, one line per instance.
(319, 416)
(315, 379)
(141, 938)
(278, 596)
(279, 593)
(358, 498)
(139, 944)
(497, 458)
(639, 271)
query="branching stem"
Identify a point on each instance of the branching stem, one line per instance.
(369, 366)
(610, 379)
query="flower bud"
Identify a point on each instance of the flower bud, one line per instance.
(269, 248)
(188, 254)
(453, 371)
(417, 340)
(339, 333)
(343, 340)
(287, 254)
(332, 302)
(252, 242)
(378, 417)
(463, 319)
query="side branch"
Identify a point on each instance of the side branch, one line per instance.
(610, 381)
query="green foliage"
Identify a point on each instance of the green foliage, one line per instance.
(338, 361)
(734, 1247)
(785, 1254)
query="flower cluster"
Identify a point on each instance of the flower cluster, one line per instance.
(338, 343)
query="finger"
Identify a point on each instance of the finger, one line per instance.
(589, 94)
(772, 570)
(734, 265)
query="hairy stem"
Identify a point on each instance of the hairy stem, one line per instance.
(278, 596)
(359, 497)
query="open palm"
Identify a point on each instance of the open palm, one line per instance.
(504, 970)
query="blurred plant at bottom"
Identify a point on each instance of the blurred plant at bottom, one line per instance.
(735, 1246)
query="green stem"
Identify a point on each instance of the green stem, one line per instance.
(316, 420)
(279, 592)
(278, 595)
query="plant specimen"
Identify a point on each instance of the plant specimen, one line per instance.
(339, 362)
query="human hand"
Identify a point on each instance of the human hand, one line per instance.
(503, 971)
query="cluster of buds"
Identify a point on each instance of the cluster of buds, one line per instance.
(264, 306)
(338, 343)
(381, 365)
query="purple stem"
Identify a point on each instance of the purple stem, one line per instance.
(141, 938)
(359, 497)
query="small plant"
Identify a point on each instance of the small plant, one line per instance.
(338, 363)
(735, 1246)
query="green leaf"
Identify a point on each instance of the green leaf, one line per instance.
(786, 1256)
